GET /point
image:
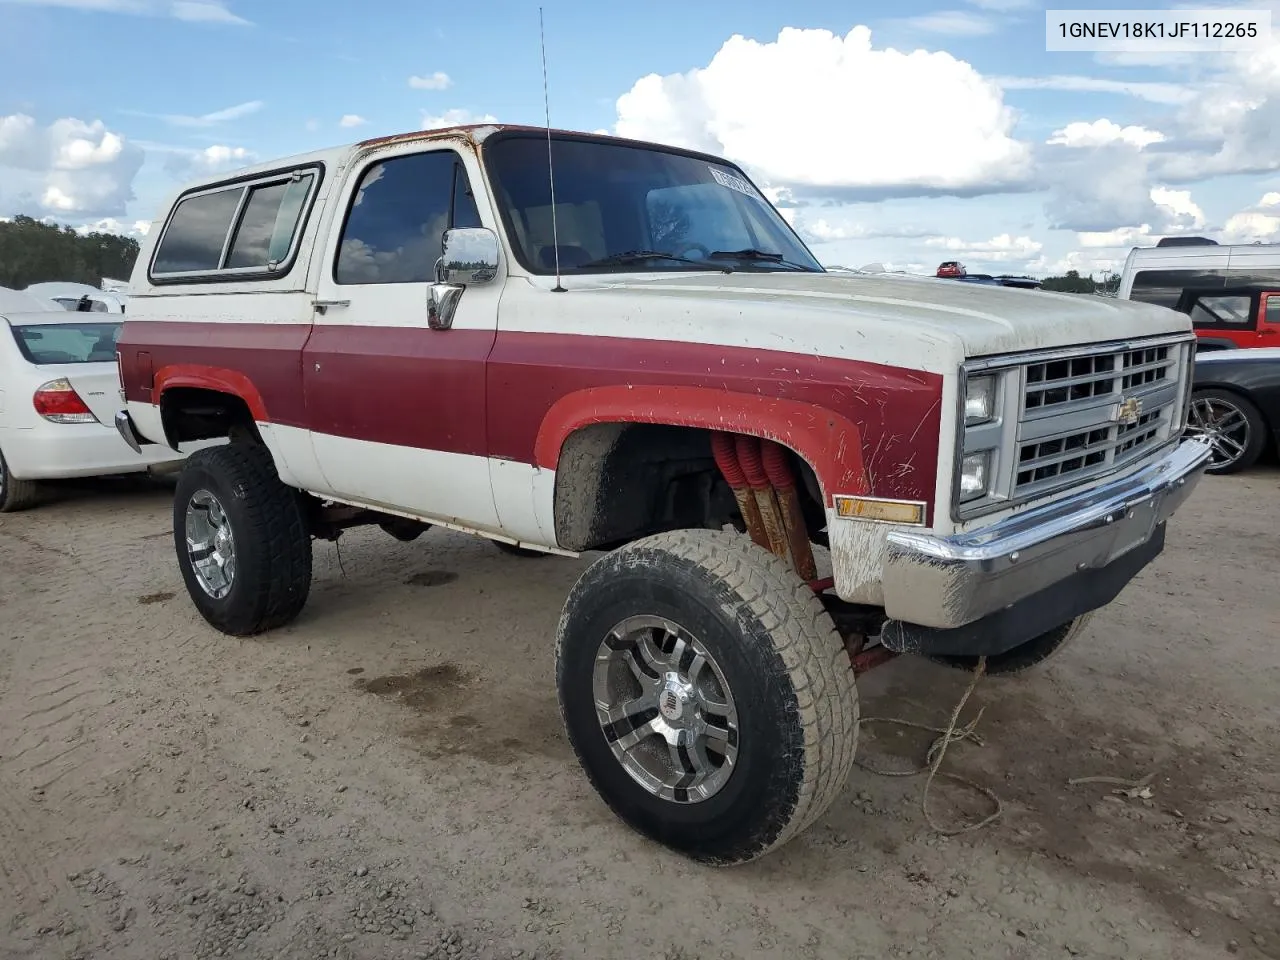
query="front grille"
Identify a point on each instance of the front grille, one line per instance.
(1085, 415)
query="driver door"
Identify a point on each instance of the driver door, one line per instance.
(397, 409)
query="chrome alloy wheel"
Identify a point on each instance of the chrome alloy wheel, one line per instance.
(210, 546)
(1224, 425)
(665, 709)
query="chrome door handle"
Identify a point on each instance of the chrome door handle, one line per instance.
(324, 305)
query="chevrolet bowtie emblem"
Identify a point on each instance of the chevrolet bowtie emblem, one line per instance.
(1128, 411)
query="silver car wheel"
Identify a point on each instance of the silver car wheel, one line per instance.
(211, 547)
(1224, 425)
(665, 709)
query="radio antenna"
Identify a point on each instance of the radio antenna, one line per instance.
(546, 100)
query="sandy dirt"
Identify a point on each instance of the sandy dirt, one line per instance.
(388, 777)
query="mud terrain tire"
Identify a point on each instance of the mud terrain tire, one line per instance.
(785, 667)
(272, 546)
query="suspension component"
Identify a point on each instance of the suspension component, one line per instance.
(749, 459)
(780, 475)
(722, 448)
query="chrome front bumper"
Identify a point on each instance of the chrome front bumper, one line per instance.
(946, 583)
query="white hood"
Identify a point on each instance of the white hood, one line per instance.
(913, 323)
(919, 323)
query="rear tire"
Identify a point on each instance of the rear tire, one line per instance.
(16, 494)
(1026, 656)
(252, 572)
(730, 651)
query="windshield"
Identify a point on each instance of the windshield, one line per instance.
(634, 208)
(67, 342)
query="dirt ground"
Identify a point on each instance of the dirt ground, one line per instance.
(388, 777)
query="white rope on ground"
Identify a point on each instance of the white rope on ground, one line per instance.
(951, 733)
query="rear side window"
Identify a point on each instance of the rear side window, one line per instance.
(1221, 311)
(67, 342)
(241, 228)
(395, 228)
(270, 219)
(197, 233)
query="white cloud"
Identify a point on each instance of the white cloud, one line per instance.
(836, 116)
(220, 156)
(1001, 249)
(352, 120)
(192, 11)
(1085, 264)
(454, 118)
(956, 23)
(1260, 224)
(69, 167)
(1102, 132)
(138, 228)
(1182, 213)
(186, 163)
(216, 117)
(205, 11)
(1155, 92)
(1121, 237)
(435, 81)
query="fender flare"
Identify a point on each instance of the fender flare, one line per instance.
(219, 379)
(830, 443)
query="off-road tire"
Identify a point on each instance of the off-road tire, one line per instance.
(518, 551)
(782, 659)
(272, 542)
(1025, 656)
(16, 494)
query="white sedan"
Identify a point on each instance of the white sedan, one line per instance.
(59, 391)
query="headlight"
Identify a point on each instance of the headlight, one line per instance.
(974, 475)
(979, 399)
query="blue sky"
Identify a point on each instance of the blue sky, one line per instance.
(903, 132)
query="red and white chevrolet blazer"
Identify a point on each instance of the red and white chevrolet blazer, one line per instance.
(569, 343)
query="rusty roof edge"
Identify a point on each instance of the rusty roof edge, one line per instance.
(476, 133)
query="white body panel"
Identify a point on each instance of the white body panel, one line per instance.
(39, 449)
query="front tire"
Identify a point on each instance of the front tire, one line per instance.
(242, 540)
(16, 494)
(706, 693)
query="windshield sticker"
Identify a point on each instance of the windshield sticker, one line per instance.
(733, 183)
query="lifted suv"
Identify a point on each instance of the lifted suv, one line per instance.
(406, 332)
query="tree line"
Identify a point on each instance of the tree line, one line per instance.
(1072, 282)
(36, 252)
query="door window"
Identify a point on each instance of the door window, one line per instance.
(1272, 301)
(395, 227)
(1222, 312)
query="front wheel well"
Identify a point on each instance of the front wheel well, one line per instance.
(618, 482)
(196, 413)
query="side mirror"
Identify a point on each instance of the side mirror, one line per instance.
(469, 255)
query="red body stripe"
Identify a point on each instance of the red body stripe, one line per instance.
(864, 427)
